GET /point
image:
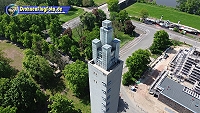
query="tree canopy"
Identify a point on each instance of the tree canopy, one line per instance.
(161, 42)
(76, 75)
(23, 94)
(37, 67)
(88, 20)
(189, 6)
(100, 16)
(8, 109)
(144, 13)
(113, 5)
(137, 64)
(60, 104)
(6, 70)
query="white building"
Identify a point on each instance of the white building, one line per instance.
(105, 71)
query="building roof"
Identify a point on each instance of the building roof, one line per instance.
(174, 91)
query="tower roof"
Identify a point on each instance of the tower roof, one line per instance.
(105, 51)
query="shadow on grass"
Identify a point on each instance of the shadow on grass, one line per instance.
(85, 100)
(55, 85)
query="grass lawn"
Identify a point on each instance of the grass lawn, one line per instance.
(14, 53)
(155, 56)
(78, 104)
(71, 14)
(99, 2)
(124, 38)
(168, 14)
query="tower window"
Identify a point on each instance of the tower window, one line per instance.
(107, 103)
(108, 97)
(109, 82)
(107, 109)
(109, 90)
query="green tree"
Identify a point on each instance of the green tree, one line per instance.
(45, 47)
(65, 43)
(27, 39)
(76, 75)
(161, 42)
(113, 5)
(88, 53)
(74, 52)
(23, 95)
(86, 41)
(35, 29)
(123, 16)
(6, 70)
(189, 6)
(55, 29)
(4, 87)
(8, 109)
(144, 13)
(37, 67)
(100, 16)
(88, 20)
(60, 104)
(36, 43)
(137, 64)
(129, 27)
(127, 79)
(113, 16)
(11, 31)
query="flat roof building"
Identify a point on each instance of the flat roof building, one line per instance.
(173, 86)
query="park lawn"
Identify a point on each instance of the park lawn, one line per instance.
(13, 52)
(78, 103)
(99, 2)
(124, 38)
(71, 14)
(167, 12)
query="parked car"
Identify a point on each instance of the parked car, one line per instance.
(165, 56)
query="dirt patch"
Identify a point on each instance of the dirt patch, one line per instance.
(13, 52)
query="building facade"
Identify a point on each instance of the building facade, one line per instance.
(105, 71)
